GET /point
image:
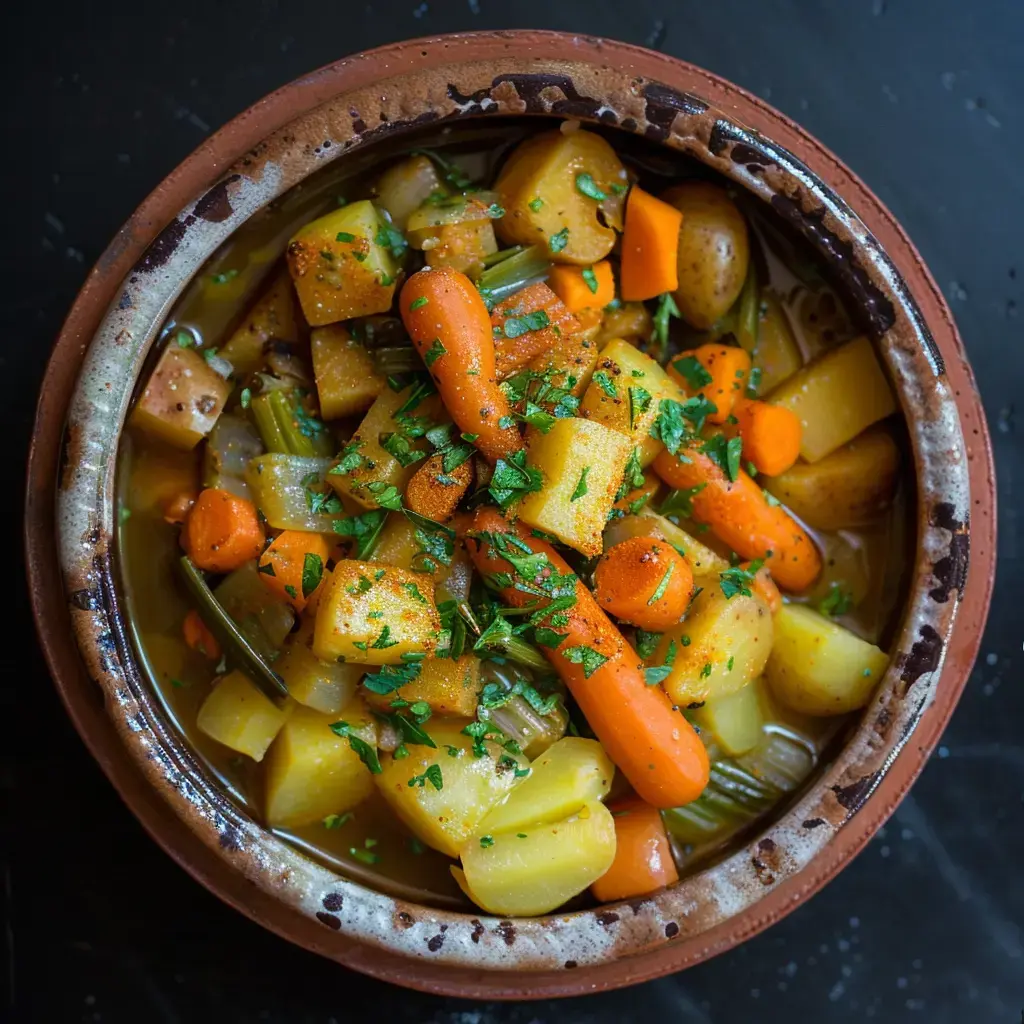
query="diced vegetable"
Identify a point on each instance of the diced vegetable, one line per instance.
(775, 354)
(713, 251)
(536, 871)
(820, 668)
(643, 855)
(526, 324)
(719, 372)
(291, 492)
(273, 317)
(770, 433)
(836, 397)
(324, 686)
(346, 379)
(292, 566)
(722, 645)
(570, 360)
(734, 720)
(222, 531)
(230, 446)
(582, 288)
(405, 186)
(182, 398)
(644, 581)
(262, 617)
(435, 492)
(456, 232)
(449, 687)
(442, 792)
(581, 462)
(238, 715)
(374, 614)
(565, 191)
(629, 320)
(850, 487)
(340, 266)
(650, 245)
(647, 523)
(312, 772)
(287, 427)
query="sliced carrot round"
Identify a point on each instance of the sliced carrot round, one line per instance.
(222, 531)
(293, 566)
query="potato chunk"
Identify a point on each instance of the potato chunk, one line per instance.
(340, 268)
(182, 398)
(735, 720)
(548, 188)
(457, 232)
(325, 686)
(311, 772)
(346, 380)
(272, 317)
(449, 687)
(721, 645)
(280, 486)
(775, 353)
(237, 714)
(836, 397)
(820, 668)
(445, 816)
(582, 463)
(403, 188)
(373, 614)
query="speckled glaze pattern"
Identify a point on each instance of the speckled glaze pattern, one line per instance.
(277, 144)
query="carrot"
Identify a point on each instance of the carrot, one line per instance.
(719, 372)
(741, 516)
(293, 566)
(177, 509)
(222, 531)
(198, 636)
(771, 435)
(433, 492)
(451, 328)
(764, 587)
(653, 745)
(526, 324)
(650, 247)
(583, 288)
(644, 581)
(640, 496)
(643, 854)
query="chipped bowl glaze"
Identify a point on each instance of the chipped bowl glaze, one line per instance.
(278, 143)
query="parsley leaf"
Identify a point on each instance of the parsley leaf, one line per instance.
(312, 572)
(666, 308)
(606, 384)
(559, 240)
(657, 674)
(590, 659)
(581, 487)
(349, 460)
(513, 478)
(435, 352)
(399, 446)
(646, 643)
(639, 400)
(680, 503)
(535, 204)
(836, 602)
(589, 279)
(366, 753)
(516, 326)
(364, 529)
(691, 368)
(586, 186)
(418, 303)
(754, 382)
(391, 677)
(384, 641)
(738, 581)
(659, 591)
(389, 237)
(725, 453)
(432, 775)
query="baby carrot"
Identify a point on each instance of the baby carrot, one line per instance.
(719, 372)
(741, 516)
(650, 247)
(771, 435)
(451, 328)
(764, 587)
(583, 288)
(644, 581)
(653, 745)
(222, 531)
(198, 636)
(293, 566)
(643, 855)
(433, 492)
(526, 324)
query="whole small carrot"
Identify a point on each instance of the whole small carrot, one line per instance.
(651, 743)
(644, 581)
(451, 329)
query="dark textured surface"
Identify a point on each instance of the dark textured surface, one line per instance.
(924, 101)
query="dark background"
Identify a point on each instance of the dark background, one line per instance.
(924, 100)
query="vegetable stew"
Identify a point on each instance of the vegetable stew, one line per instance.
(516, 521)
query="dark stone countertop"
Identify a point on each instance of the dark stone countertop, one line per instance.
(924, 101)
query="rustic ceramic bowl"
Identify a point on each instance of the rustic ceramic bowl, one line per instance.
(75, 586)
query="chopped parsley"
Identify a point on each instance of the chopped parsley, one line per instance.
(366, 753)
(349, 460)
(432, 775)
(291, 591)
(312, 572)
(726, 453)
(754, 382)
(590, 659)
(589, 279)
(838, 601)
(705, 672)
(646, 643)
(245, 398)
(391, 677)
(657, 674)
(606, 384)
(224, 276)
(639, 401)
(434, 353)
(389, 237)
(666, 308)
(737, 580)
(516, 326)
(680, 503)
(586, 186)
(535, 204)
(414, 592)
(418, 303)
(367, 856)
(659, 591)
(581, 486)
(384, 641)
(693, 371)
(333, 821)
(512, 478)
(486, 841)
(559, 240)
(363, 529)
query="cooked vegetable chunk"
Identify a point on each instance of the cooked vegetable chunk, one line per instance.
(182, 399)
(449, 687)
(775, 353)
(644, 581)
(643, 855)
(582, 288)
(237, 714)
(346, 379)
(527, 324)
(263, 618)
(820, 668)
(374, 614)
(325, 686)
(232, 443)
(292, 566)
(342, 266)
(291, 492)
(719, 372)
(735, 720)
(650, 245)
(273, 317)
(222, 531)
(457, 232)
(581, 462)
(405, 186)
(647, 523)
(312, 772)
(836, 397)
(434, 491)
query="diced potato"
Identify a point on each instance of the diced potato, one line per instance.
(647, 523)
(520, 874)
(404, 187)
(470, 786)
(282, 486)
(230, 446)
(457, 232)
(263, 618)
(339, 267)
(624, 394)
(820, 668)
(513, 353)
(776, 353)
(572, 772)
(325, 686)
(629, 320)
(346, 380)
(580, 457)
(538, 189)
(273, 317)
(836, 397)
(373, 614)
(720, 647)
(735, 720)
(449, 687)
(850, 487)
(182, 398)
(572, 359)
(238, 715)
(311, 772)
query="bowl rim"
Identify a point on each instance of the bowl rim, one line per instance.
(672, 94)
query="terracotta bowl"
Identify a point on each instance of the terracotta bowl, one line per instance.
(75, 587)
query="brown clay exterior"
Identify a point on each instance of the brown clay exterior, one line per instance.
(278, 142)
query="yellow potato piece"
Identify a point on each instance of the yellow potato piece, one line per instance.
(346, 380)
(734, 721)
(274, 316)
(449, 687)
(836, 397)
(401, 189)
(445, 818)
(374, 614)
(818, 667)
(535, 870)
(325, 686)
(311, 772)
(279, 486)
(776, 353)
(237, 714)
(580, 457)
